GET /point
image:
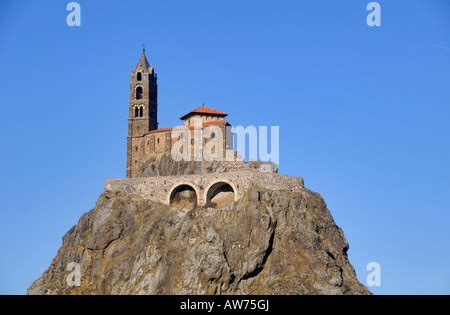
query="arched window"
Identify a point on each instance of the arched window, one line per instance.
(139, 76)
(136, 112)
(139, 92)
(141, 111)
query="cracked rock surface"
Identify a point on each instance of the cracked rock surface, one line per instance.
(268, 242)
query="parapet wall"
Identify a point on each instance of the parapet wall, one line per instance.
(159, 189)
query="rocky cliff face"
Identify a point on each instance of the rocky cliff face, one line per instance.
(164, 165)
(268, 242)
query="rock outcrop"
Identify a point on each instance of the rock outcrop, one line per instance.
(267, 242)
(164, 165)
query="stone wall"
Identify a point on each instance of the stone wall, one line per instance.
(159, 142)
(159, 189)
(139, 125)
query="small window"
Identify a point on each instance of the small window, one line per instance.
(213, 135)
(136, 149)
(136, 112)
(141, 111)
(192, 141)
(157, 140)
(139, 76)
(139, 93)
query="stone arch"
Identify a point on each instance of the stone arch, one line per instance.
(183, 196)
(139, 92)
(220, 194)
(139, 76)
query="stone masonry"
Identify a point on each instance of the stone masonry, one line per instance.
(150, 175)
(159, 189)
(146, 139)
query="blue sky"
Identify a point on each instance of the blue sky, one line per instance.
(363, 114)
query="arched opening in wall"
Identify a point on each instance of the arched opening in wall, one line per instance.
(141, 111)
(139, 76)
(139, 92)
(183, 197)
(220, 195)
(136, 112)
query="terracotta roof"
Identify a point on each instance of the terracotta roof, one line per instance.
(215, 122)
(205, 110)
(162, 129)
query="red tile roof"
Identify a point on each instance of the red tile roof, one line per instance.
(205, 123)
(158, 130)
(205, 110)
(215, 122)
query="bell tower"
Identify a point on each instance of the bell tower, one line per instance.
(143, 109)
